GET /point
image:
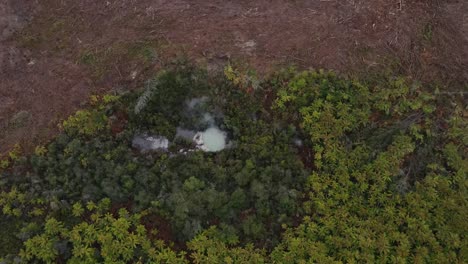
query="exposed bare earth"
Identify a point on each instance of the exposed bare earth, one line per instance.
(55, 53)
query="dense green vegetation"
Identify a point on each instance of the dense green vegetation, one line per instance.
(320, 169)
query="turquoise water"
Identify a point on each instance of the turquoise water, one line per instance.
(214, 139)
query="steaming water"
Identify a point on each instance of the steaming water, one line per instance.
(208, 119)
(214, 139)
(185, 133)
(150, 143)
(211, 140)
(194, 102)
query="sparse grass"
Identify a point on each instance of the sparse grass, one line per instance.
(55, 36)
(17, 121)
(428, 32)
(103, 61)
(28, 40)
(88, 58)
(145, 51)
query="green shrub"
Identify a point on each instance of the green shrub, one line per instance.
(101, 238)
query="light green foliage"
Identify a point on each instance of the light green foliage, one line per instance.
(354, 217)
(42, 247)
(16, 203)
(15, 153)
(325, 107)
(17, 208)
(243, 79)
(212, 247)
(78, 210)
(86, 122)
(104, 238)
(108, 98)
(12, 156)
(40, 151)
(92, 121)
(354, 214)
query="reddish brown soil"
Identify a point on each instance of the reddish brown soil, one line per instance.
(43, 45)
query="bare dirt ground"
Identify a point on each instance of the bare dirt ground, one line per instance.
(55, 53)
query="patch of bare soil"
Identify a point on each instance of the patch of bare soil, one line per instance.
(55, 53)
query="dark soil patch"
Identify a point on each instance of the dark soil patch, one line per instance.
(307, 156)
(55, 53)
(163, 231)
